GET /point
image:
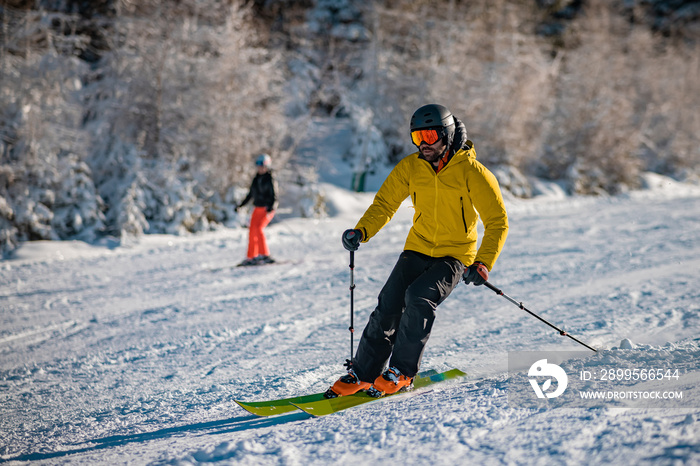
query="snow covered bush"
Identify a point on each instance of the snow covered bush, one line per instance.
(77, 207)
(49, 202)
(312, 202)
(512, 180)
(368, 149)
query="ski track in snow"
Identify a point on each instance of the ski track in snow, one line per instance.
(134, 355)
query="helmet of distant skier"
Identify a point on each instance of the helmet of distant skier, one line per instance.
(263, 160)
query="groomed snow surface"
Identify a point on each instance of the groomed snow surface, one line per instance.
(134, 355)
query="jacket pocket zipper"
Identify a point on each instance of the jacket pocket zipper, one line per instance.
(464, 219)
(414, 205)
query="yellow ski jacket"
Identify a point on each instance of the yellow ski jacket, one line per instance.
(447, 205)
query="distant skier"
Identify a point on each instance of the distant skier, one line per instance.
(262, 192)
(447, 187)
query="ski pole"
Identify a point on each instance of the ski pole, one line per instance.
(352, 302)
(520, 305)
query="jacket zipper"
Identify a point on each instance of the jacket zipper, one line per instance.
(435, 207)
(464, 219)
(415, 206)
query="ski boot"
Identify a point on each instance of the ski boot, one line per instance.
(349, 384)
(391, 381)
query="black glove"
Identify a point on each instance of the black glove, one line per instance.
(477, 273)
(352, 239)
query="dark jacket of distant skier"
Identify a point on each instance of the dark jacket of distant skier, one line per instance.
(262, 192)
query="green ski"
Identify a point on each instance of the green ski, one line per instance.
(287, 405)
(333, 405)
(281, 406)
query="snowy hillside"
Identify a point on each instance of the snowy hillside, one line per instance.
(135, 355)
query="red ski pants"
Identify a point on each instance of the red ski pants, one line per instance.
(257, 243)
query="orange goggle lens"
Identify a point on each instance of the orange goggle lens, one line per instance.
(430, 136)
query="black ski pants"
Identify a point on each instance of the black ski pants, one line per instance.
(400, 325)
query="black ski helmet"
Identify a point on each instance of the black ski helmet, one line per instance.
(434, 116)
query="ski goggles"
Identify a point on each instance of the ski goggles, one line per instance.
(429, 136)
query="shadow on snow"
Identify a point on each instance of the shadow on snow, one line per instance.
(222, 426)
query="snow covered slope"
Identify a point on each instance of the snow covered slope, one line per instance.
(135, 354)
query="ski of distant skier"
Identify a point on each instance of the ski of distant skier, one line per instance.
(317, 405)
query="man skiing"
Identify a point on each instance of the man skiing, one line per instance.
(449, 190)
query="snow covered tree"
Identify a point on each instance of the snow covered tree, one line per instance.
(134, 120)
(188, 97)
(46, 190)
